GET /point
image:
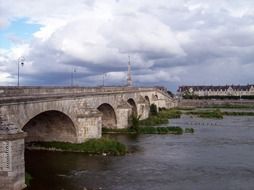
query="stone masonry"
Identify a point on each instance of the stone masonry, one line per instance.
(64, 114)
(12, 165)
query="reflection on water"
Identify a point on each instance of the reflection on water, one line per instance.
(214, 157)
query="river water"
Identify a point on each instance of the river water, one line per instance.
(218, 156)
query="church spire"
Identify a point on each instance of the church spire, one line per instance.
(129, 80)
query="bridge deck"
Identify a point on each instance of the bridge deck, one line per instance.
(28, 94)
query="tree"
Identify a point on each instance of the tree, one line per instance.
(153, 110)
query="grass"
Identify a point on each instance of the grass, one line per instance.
(109, 130)
(184, 108)
(238, 113)
(170, 114)
(232, 106)
(153, 120)
(161, 118)
(207, 113)
(146, 130)
(218, 114)
(160, 130)
(93, 146)
(28, 178)
(146, 126)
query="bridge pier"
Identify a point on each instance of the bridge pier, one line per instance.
(143, 108)
(12, 164)
(123, 115)
(89, 123)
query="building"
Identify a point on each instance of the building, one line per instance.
(217, 91)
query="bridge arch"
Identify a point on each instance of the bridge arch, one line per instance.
(50, 125)
(108, 115)
(148, 100)
(133, 106)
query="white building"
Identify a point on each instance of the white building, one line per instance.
(228, 90)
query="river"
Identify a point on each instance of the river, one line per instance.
(218, 156)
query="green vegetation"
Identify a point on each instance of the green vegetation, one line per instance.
(216, 113)
(184, 108)
(153, 120)
(93, 146)
(122, 131)
(189, 130)
(161, 117)
(146, 130)
(135, 122)
(153, 110)
(147, 126)
(160, 130)
(171, 113)
(207, 113)
(232, 106)
(28, 178)
(238, 113)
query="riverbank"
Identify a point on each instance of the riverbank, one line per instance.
(161, 117)
(103, 146)
(218, 114)
(206, 113)
(148, 126)
(145, 130)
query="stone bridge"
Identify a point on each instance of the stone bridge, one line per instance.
(70, 114)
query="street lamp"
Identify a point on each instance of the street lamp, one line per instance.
(21, 61)
(103, 78)
(72, 76)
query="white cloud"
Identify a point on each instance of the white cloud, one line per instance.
(169, 41)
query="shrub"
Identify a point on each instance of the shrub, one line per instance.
(153, 110)
(28, 179)
(207, 114)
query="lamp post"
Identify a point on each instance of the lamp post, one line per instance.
(72, 76)
(20, 61)
(103, 78)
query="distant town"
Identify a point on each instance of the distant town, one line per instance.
(226, 91)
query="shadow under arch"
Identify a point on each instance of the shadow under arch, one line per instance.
(133, 106)
(108, 115)
(148, 100)
(50, 125)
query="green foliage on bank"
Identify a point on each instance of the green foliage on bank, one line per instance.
(93, 146)
(161, 118)
(111, 130)
(146, 130)
(146, 126)
(153, 110)
(207, 113)
(153, 120)
(28, 179)
(160, 130)
(238, 113)
(184, 108)
(218, 114)
(232, 106)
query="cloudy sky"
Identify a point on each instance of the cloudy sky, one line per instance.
(171, 43)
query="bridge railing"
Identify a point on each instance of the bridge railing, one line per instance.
(56, 90)
(37, 90)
